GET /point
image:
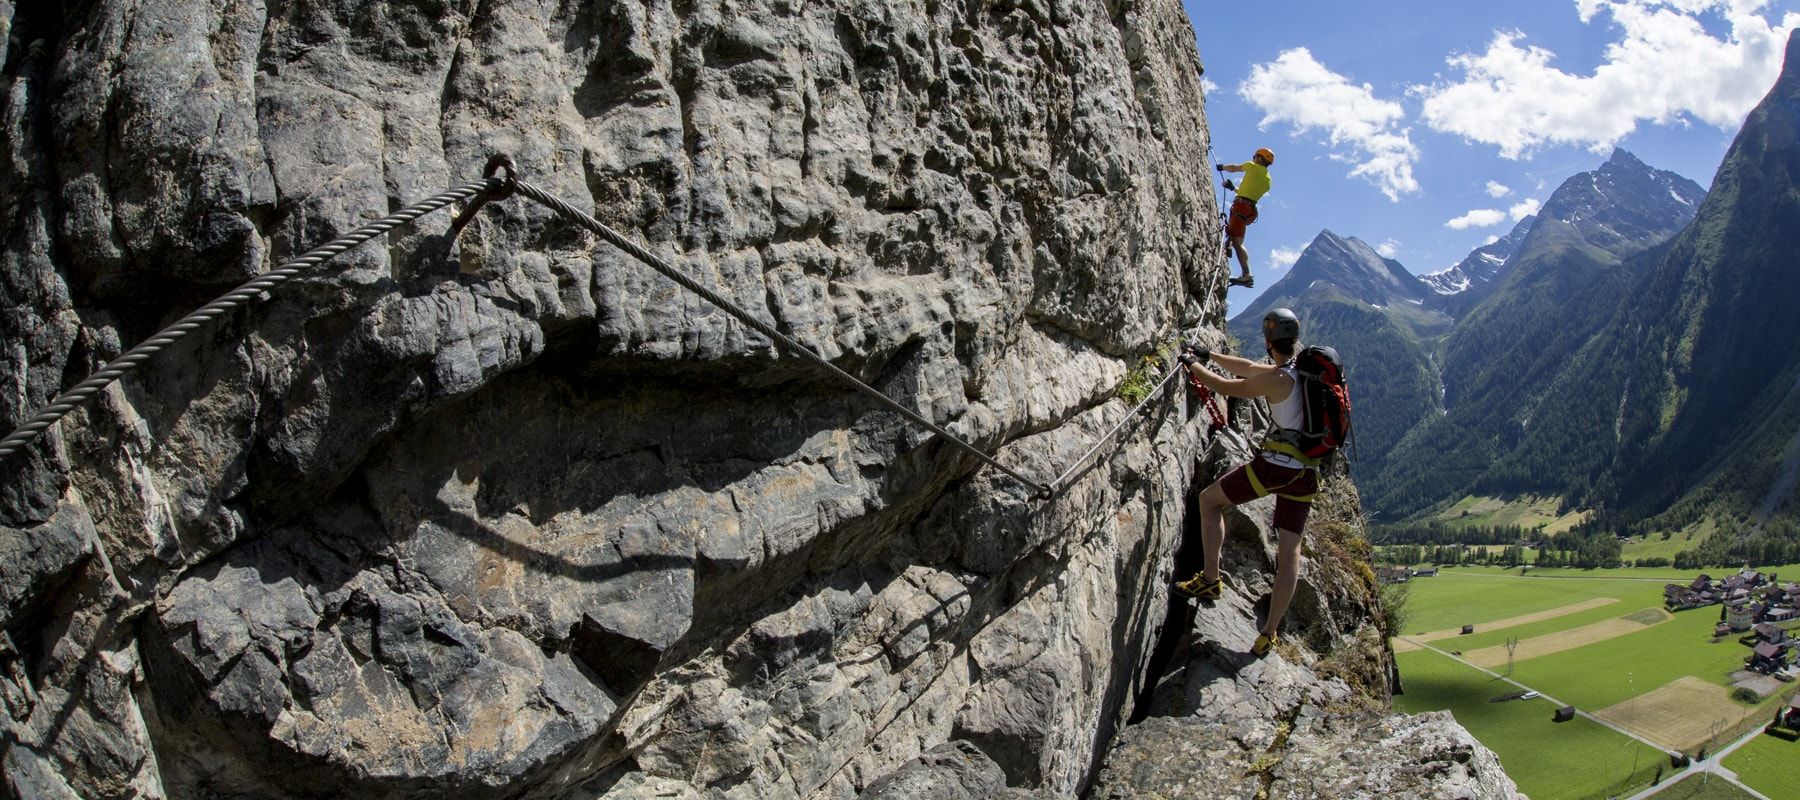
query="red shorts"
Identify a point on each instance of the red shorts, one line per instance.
(1243, 212)
(1293, 489)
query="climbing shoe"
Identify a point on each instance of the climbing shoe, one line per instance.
(1264, 643)
(1245, 281)
(1200, 588)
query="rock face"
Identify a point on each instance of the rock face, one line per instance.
(513, 516)
(1315, 751)
(1308, 720)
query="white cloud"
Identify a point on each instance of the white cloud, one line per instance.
(1523, 209)
(1490, 240)
(1281, 258)
(1388, 249)
(1498, 189)
(1207, 86)
(1360, 128)
(1665, 68)
(1479, 218)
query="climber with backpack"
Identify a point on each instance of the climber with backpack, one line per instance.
(1311, 409)
(1243, 208)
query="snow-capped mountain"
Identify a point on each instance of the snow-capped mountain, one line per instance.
(1482, 266)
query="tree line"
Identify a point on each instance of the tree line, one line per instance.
(1596, 543)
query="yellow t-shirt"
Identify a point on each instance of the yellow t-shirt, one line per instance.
(1255, 182)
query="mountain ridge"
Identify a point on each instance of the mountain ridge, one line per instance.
(1627, 372)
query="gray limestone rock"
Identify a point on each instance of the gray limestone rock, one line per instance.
(1309, 752)
(954, 770)
(37, 560)
(513, 515)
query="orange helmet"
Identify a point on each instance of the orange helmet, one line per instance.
(1267, 154)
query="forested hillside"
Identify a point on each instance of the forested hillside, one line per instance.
(1568, 278)
(1651, 383)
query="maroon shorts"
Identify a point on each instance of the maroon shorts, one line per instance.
(1293, 490)
(1243, 212)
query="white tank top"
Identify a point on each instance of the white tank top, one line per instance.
(1289, 413)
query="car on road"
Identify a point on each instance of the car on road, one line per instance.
(1528, 695)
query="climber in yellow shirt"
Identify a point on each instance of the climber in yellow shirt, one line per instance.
(1243, 210)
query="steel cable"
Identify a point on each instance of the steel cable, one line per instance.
(496, 187)
(135, 357)
(1129, 416)
(651, 260)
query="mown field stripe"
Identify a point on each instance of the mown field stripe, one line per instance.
(1591, 633)
(1510, 622)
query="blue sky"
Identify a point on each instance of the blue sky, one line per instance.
(1426, 127)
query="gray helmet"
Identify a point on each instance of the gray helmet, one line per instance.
(1280, 324)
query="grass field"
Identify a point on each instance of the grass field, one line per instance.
(1505, 627)
(1488, 636)
(1698, 788)
(1681, 715)
(1615, 670)
(1475, 595)
(1584, 641)
(1523, 512)
(1549, 760)
(1654, 546)
(1550, 643)
(1768, 765)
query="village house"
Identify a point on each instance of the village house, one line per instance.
(1768, 658)
(1772, 634)
(1751, 598)
(1699, 592)
(1392, 575)
(1677, 597)
(1739, 617)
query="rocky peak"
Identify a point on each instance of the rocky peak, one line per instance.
(1622, 205)
(1357, 269)
(1347, 266)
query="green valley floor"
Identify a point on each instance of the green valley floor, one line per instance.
(1646, 682)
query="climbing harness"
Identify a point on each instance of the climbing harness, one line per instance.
(500, 181)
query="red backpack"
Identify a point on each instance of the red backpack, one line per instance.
(1326, 398)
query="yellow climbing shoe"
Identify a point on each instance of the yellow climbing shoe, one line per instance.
(1264, 643)
(1200, 588)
